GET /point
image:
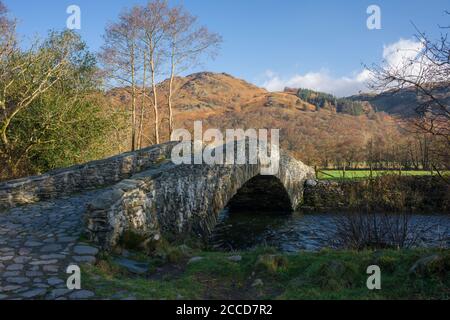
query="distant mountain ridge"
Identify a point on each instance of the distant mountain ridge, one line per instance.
(207, 93)
(402, 102)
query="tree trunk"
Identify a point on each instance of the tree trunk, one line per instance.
(141, 120)
(155, 97)
(133, 101)
(169, 102)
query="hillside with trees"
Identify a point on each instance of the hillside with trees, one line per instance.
(327, 101)
(317, 135)
(61, 104)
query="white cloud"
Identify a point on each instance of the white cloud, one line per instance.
(394, 55)
(398, 54)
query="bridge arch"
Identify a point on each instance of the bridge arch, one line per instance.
(263, 194)
(175, 201)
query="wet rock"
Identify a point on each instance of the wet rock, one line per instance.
(6, 258)
(56, 293)
(85, 250)
(22, 259)
(311, 183)
(422, 264)
(81, 295)
(235, 258)
(84, 259)
(51, 268)
(43, 262)
(9, 288)
(133, 266)
(15, 267)
(18, 280)
(51, 248)
(34, 274)
(195, 259)
(257, 283)
(54, 281)
(34, 293)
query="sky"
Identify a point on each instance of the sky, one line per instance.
(321, 45)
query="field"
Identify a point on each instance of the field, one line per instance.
(264, 273)
(364, 174)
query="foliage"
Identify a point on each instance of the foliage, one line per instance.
(55, 116)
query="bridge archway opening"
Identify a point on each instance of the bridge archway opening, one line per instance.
(261, 194)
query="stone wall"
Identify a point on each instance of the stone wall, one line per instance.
(82, 177)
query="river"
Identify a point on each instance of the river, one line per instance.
(310, 232)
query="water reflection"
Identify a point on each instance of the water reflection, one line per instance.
(311, 232)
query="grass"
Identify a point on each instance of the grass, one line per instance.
(363, 174)
(264, 273)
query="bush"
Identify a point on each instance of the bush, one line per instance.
(271, 263)
(359, 231)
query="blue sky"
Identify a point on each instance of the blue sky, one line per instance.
(320, 44)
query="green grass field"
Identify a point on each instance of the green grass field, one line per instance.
(363, 174)
(265, 273)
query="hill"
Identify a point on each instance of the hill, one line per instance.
(314, 133)
(402, 102)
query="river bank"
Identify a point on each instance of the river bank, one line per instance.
(265, 273)
(298, 258)
(385, 193)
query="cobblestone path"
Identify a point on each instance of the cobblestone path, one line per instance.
(37, 244)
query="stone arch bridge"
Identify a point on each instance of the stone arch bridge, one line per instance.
(145, 194)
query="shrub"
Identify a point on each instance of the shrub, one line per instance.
(271, 263)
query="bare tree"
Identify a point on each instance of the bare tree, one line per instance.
(153, 22)
(143, 99)
(428, 73)
(7, 33)
(187, 42)
(120, 56)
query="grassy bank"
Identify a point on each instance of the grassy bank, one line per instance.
(364, 174)
(266, 274)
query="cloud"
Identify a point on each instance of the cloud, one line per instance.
(400, 53)
(395, 55)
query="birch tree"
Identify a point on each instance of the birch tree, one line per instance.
(187, 42)
(154, 30)
(120, 56)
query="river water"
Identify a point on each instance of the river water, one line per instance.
(310, 232)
